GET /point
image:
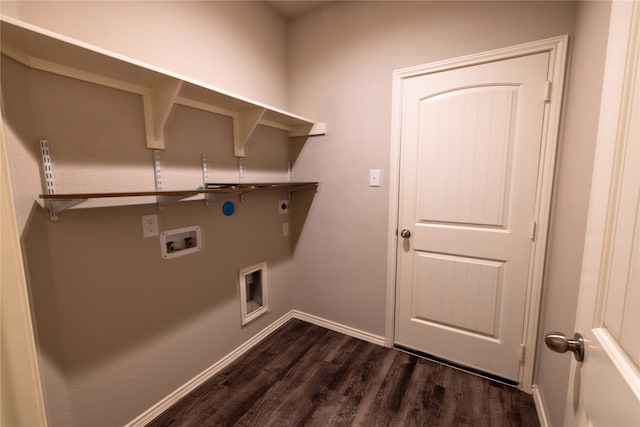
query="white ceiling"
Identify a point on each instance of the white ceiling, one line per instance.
(292, 8)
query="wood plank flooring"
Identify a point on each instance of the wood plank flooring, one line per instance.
(305, 375)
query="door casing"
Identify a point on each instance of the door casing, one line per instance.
(557, 48)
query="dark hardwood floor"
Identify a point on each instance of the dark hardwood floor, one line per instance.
(305, 375)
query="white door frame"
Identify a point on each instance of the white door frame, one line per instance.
(557, 48)
(22, 398)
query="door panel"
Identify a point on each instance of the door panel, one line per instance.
(470, 144)
(604, 390)
(457, 292)
(465, 142)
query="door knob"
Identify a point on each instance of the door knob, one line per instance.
(405, 233)
(560, 343)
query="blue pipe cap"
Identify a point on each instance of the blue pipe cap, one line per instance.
(228, 208)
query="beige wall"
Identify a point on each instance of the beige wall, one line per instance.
(236, 46)
(341, 62)
(123, 331)
(118, 327)
(571, 198)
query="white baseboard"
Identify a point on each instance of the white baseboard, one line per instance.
(157, 409)
(540, 407)
(338, 327)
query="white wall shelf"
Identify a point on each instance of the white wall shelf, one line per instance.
(43, 50)
(60, 202)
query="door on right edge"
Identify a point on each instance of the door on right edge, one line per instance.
(604, 389)
(470, 157)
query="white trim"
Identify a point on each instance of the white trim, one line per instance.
(394, 204)
(525, 49)
(24, 383)
(164, 404)
(556, 74)
(338, 327)
(557, 48)
(541, 409)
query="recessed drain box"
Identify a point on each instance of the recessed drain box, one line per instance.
(253, 292)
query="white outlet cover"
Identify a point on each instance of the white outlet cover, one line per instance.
(283, 206)
(149, 225)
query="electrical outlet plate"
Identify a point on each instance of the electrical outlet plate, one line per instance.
(283, 206)
(149, 225)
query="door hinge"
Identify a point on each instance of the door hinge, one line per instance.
(547, 91)
(523, 349)
(534, 227)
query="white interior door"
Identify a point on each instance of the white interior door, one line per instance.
(471, 142)
(604, 390)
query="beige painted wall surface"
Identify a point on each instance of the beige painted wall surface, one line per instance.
(571, 198)
(131, 327)
(236, 46)
(341, 62)
(118, 327)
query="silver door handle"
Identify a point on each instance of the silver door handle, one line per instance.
(559, 343)
(405, 233)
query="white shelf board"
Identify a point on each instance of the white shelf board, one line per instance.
(48, 51)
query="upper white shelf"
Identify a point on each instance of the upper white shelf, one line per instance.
(161, 90)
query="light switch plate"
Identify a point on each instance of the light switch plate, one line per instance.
(375, 178)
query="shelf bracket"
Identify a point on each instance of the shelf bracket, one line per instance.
(49, 180)
(164, 200)
(209, 198)
(158, 103)
(57, 206)
(295, 188)
(244, 125)
(312, 129)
